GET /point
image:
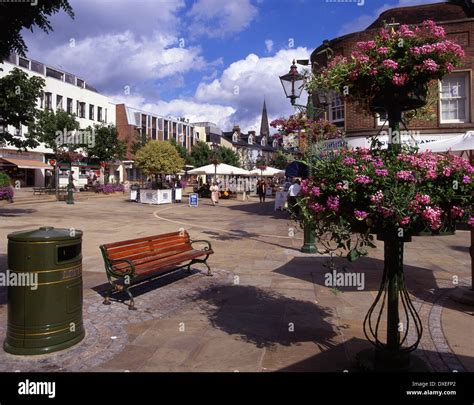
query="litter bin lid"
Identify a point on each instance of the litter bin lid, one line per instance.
(46, 233)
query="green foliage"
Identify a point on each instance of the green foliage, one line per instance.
(4, 180)
(139, 142)
(158, 158)
(228, 156)
(106, 145)
(15, 16)
(50, 123)
(280, 161)
(201, 154)
(19, 95)
(183, 152)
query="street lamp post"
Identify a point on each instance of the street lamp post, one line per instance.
(215, 159)
(293, 83)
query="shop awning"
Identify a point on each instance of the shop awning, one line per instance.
(25, 163)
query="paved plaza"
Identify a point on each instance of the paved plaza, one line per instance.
(266, 308)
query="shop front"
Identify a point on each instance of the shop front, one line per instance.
(26, 172)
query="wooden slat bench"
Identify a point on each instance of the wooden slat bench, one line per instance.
(132, 261)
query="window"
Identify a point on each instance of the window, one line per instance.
(166, 130)
(382, 119)
(105, 119)
(48, 97)
(250, 140)
(41, 100)
(454, 96)
(336, 110)
(69, 106)
(275, 143)
(81, 110)
(99, 114)
(59, 102)
(54, 73)
(263, 142)
(91, 112)
(79, 82)
(234, 137)
(24, 63)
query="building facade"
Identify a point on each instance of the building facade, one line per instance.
(134, 124)
(454, 112)
(64, 91)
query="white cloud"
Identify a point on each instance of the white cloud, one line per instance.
(245, 83)
(112, 61)
(218, 18)
(269, 45)
(363, 21)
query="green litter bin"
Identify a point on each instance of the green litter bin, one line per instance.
(45, 291)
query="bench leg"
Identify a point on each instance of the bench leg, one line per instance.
(109, 291)
(131, 305)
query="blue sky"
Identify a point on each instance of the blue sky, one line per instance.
(212, 60)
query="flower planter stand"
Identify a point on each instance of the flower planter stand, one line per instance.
(391, 355)
(309, 239)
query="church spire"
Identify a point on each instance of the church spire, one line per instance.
(264, 126)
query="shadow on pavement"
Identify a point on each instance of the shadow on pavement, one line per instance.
(15, 212)
(266, 318)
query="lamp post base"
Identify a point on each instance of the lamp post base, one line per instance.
(377, 360)
(309, 242)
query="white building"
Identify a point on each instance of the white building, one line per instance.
(64, 91)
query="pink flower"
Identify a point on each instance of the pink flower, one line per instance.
(304, 186)
(390, 64)
(405, 32)
(471, 221)
(457, 212)
(366, 46)
(447, 171)
(405, 175)
(377, 197)
(339, 186)
(466, 179)
(423, 198)
(383, 50)
(349, 160)
(360, 215)
(430, 65)
(431, 174)
(316, 207)
(363, 179)
(433, 216)
(353, 75)
(316, 191)
(381, 172)
(333, 203)
(449, 67)
(373, 71)
(405, 221)
(400, 79)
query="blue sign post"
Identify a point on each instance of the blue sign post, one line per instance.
(193, 200)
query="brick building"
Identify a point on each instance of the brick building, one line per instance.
(454, 112)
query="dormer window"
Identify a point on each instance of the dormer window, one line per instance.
(234, 137)
(250, 141)
(263, 142)
(275, 143)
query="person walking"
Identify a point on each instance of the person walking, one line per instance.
(262, 190)
(293, 192)
(214, 194)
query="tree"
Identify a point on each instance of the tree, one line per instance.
(139, 142)
(14, 16)
(19, 94)
(183, 152)
(105, 145)
(157, 158)
(53, 128)
(280, 161)
(228, 156)
(201, 154)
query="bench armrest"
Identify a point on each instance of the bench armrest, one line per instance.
(129, 272)
(208, 247)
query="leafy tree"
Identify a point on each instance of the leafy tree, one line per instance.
(159, 158)
(51, 123)
(183, 152)
(105, 144)
(139, 142)
(228, 156)
(201, 154)
(18, 97)
(14, 16)
(280, 161)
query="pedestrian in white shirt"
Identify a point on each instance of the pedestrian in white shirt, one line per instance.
(293, 192)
